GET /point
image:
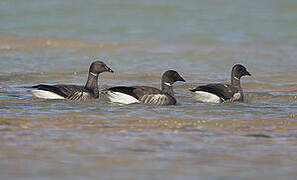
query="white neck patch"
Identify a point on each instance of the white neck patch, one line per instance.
(93, 74)
(236, 78)
(168, 84)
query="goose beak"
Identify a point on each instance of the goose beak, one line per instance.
(182, 79)
(248, 73)
(109, 70)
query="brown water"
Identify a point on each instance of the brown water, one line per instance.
(54, 42)
(42, 139)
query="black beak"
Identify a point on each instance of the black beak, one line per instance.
(109, 70)
(247, 73)
(181, 79)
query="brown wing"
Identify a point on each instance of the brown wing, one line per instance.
(71, 92)
(135, 91)
(224, 91)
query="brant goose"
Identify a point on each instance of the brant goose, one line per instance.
(73, 92)
(145, 94)
(217, 93)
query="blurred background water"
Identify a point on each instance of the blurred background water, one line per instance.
(55, 42)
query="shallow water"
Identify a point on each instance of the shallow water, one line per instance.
(54, 42)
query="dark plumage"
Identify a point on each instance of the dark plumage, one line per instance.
(145, 94)
(74, 92)
(222, 92)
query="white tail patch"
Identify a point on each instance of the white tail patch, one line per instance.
(46, 94)
(121, 98)
(206, 97)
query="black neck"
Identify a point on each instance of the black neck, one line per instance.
(92, 84)
(167, 88)
(235, 81)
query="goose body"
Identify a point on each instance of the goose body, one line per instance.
(139, 94)
(61, 91)
(74, 92)
(217, 93)
(222, 92)
(146, 94)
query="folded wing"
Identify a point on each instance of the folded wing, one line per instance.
(72, 92)
(223, 91)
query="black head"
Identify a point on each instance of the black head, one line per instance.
(239, 70)
(98, 67)
(171, 76)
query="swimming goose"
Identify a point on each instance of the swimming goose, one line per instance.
(145, 94)
(217, 93)
(74, 92)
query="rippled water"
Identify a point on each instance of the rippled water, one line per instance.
(54, 42)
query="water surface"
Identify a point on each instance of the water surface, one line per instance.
(54, 42)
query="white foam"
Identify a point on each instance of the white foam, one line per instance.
(46, 94)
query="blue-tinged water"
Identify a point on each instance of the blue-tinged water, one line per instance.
(133, 20)
(55, 42)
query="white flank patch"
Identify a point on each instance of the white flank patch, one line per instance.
(154, 98)
(121, 98)
(46, 94)
(236, 96)
(206, 97)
